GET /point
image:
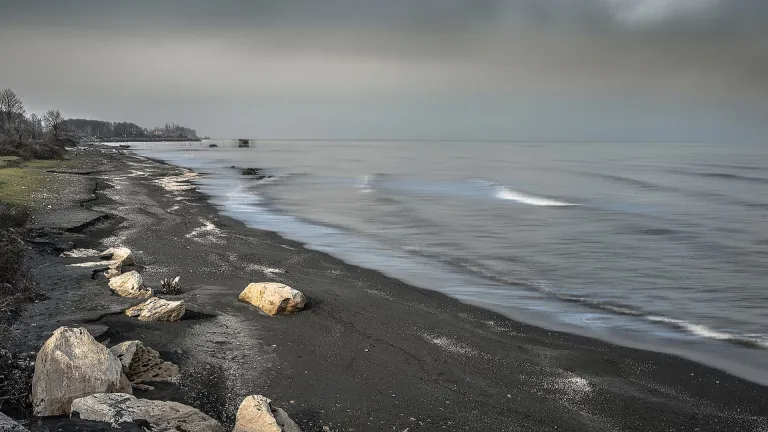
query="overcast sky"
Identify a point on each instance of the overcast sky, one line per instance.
(677, 70)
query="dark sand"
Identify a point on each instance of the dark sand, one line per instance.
(370, 353)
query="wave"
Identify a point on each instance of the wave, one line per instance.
(728, 176)
(508, 194)
(755, 341)
(751, 341)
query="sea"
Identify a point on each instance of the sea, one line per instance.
(658, 246)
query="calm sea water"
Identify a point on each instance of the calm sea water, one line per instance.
(660, 246)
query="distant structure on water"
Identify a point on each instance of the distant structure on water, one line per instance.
(243, 142)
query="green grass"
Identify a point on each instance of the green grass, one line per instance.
(21, 183)
(22, 186)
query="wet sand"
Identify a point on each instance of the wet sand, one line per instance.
(370, 353)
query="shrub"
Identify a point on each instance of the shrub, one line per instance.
(47, 149)
(13, 216)
(171, 287)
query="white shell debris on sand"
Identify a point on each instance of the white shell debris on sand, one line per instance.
(178, 182)
(81, 253)
(570, 387)
(379, 293)
(90, 264)
(450, 345)
(208, 233)
(269, 271)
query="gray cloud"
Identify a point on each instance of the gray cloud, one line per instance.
(324, 63)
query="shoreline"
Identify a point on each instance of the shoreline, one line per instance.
(687, 349)
(370, 352)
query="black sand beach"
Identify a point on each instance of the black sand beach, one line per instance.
(370, 353)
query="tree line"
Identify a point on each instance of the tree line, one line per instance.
(21, 131)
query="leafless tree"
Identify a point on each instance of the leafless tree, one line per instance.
(11, 112)
(55, 124)
(35, 127)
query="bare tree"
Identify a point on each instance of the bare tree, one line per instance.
(35, 126)
(11, 112)
(55, 124)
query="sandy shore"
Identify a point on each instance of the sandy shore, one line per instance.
(370, 353)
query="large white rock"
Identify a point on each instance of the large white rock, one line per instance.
(256, 414)
(143, 364)
(70, 365)
(157, 309)
(274, 298)
(129, 285)
(119, 256)
(160, 416)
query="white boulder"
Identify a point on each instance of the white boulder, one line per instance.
(117, 408)
(256, 414)
(119, 256)
(157, 309)
(274, 298)
(71, 364)
(129, 285)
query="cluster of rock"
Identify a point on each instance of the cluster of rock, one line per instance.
(76, 375)
(131, 285)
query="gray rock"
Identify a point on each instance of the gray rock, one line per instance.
(8, 425)
(158, 416)
(71, 364)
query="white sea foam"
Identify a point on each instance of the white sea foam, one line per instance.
(508, 194)
(208, 233)
(179, 182)
(81, 253)
(709, 333)
(365, 184)
(269, 271)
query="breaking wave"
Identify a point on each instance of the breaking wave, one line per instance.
(508, 194)
(752, 341)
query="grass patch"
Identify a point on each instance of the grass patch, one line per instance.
(22, 182)
(20, 186)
